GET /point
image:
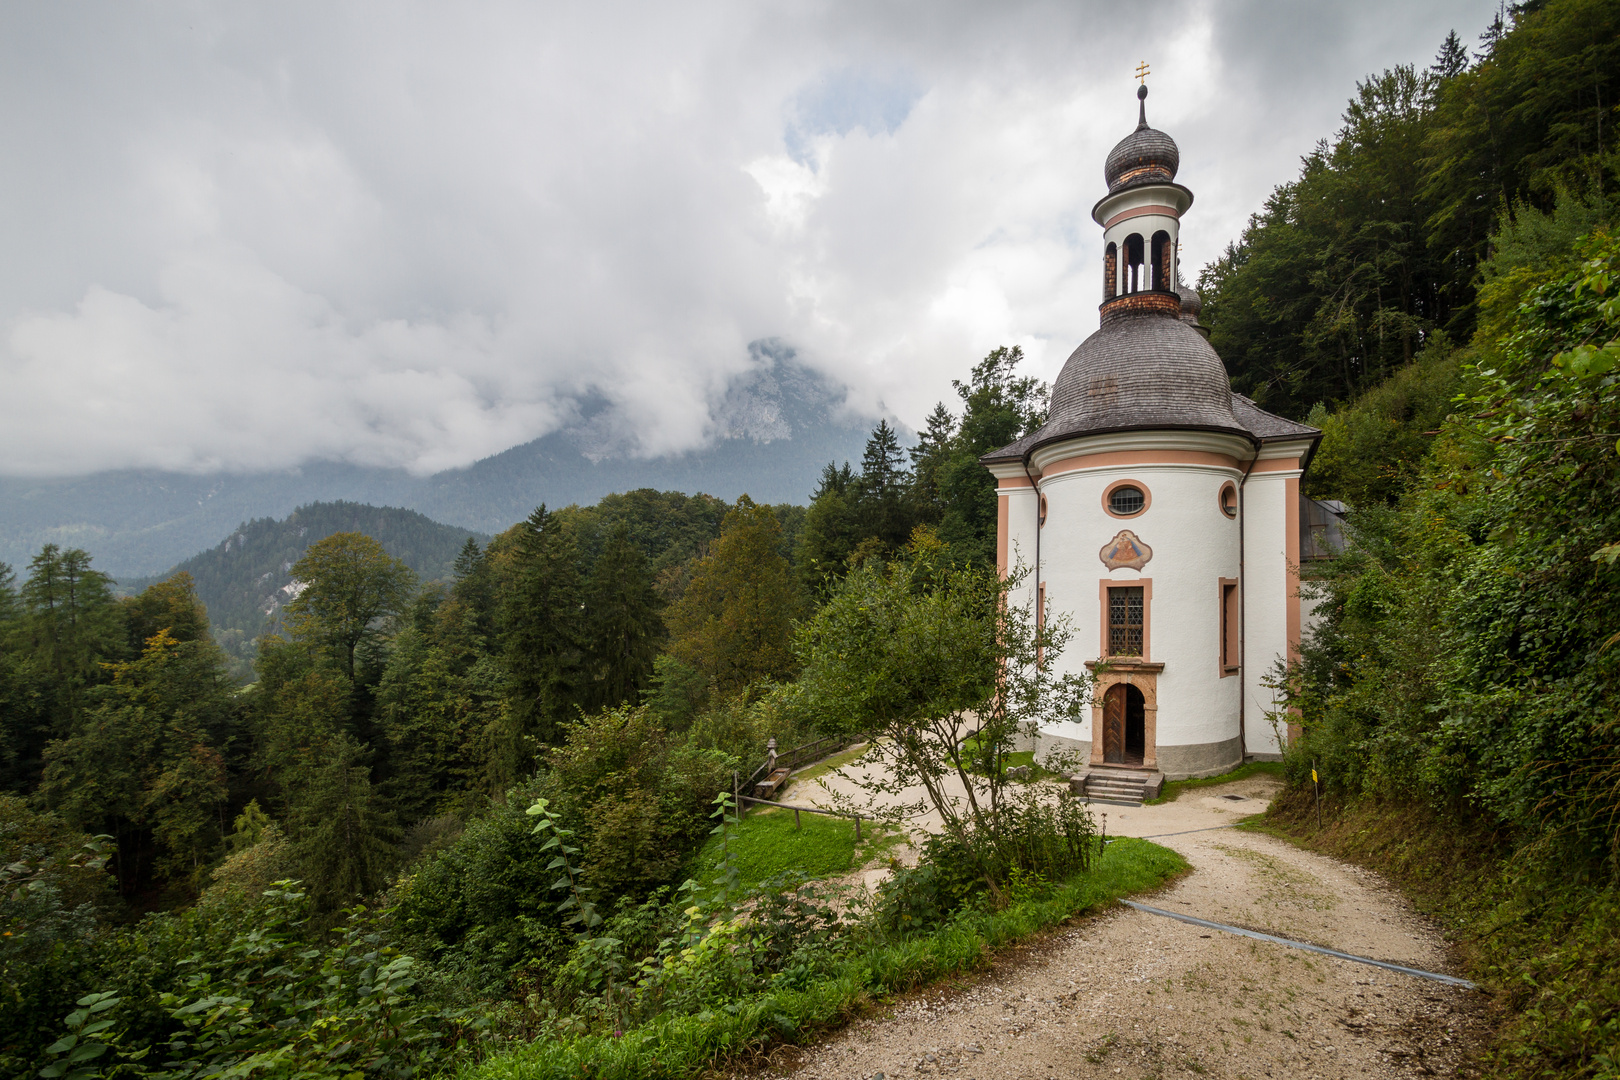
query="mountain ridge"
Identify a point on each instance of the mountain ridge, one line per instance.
(775, 428)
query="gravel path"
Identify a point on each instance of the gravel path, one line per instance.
(1130, 995)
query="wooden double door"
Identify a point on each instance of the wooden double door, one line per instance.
(1124, 725)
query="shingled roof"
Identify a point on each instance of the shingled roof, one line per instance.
(1142, 372)
(1145, 156)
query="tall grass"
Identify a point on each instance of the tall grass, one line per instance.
(678, 1046)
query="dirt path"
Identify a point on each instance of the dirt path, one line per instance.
(1132, 995)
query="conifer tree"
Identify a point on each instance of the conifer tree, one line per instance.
(343, 831)
(543, 633)
(624, 626)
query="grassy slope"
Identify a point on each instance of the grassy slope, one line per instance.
(767, 843)
(1173, 789)
(687, 1045)
(1545, 947)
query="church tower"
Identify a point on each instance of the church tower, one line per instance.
(1157, 511)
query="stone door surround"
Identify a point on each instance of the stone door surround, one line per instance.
(1124, 672)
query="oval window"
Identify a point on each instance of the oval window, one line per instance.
(1126, 500)
(1229, 500)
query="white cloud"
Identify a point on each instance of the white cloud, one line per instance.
(244, 238)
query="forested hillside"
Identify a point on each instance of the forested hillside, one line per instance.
(420, 700)
(1345, 274)
(1438, 292)
(246, 580)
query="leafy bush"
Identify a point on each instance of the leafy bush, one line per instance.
(1036, 842)
(267, 1002)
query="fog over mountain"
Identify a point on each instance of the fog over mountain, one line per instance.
(775, 427)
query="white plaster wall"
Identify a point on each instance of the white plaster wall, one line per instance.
(1266, 599)
(1194, 545)
(1021, 540)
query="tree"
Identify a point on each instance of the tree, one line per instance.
(1451, 60)
(170, 605)
(922, 656)
(543, 632)
(143, 761)
(928, 458)
(623, 626)
(999, 407)
(349, 587)
(342, 830)
(71, 625)
(831, 527)
(734, 623)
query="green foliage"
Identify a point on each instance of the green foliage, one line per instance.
(623, 628)
(249, 573)
(856, 517)
(268, 1003)
(349, 588)
(924, 655)
(1031, 842)
(1373, 449)
(734, 622)
(756, 995)
(1349, 269)
(1466, 660)
(342, 830)
(543, 631)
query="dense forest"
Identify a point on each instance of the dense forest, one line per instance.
(244, 580)
(1437, 291)
(611, 665)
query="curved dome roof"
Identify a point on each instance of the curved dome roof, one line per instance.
(1139, 371)
(1145, 156)
(1191, 302)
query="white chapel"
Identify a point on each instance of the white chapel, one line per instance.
(1158, 510)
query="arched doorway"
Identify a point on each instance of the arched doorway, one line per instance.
(1124, 725)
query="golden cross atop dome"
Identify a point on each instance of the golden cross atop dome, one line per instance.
(1142, 72)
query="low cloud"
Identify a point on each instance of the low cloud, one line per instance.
(415, 235)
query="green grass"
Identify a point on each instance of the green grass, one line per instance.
(1174, 788)
(675, 1047)
(766, 844)
(1013, 759)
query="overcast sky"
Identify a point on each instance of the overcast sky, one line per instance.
(245, 236)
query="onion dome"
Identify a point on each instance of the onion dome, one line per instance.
(1145, 156)
(1191, 302)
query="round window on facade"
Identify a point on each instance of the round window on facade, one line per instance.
(1126, 498)
(1229, 499)
(1043, 511)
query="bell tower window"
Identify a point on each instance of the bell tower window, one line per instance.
(1162, 251)
(1134, 264)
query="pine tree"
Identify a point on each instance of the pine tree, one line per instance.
(928, 457)
(624, 627)
(342, 830)
(542, 632)
(72, 625)
(474, 587)
(1451, 60)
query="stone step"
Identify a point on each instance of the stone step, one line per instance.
(1126, 787)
